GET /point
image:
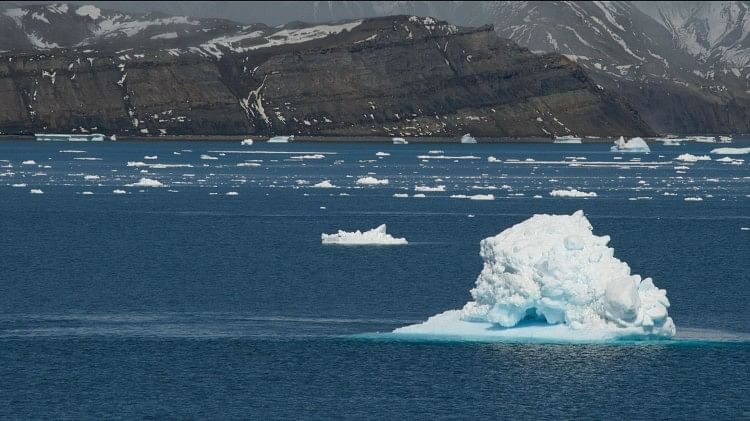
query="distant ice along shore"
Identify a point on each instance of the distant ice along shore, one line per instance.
(376, 236)
(550, 278)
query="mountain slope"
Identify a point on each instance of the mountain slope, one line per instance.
(682, 65)
(390, 76)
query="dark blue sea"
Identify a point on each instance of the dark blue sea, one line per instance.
(183, 302)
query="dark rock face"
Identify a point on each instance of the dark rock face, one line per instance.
(385, 76)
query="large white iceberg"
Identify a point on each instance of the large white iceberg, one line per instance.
(551, 278)
(376, 236)
(635, 145)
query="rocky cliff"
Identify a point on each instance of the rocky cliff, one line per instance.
(389, 76)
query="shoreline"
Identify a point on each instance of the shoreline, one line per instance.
(337, 139)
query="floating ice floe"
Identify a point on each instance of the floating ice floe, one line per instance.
(400, 195)
(371, 181)
(447, 157)
(730, 151)
(28, 162)
(146, 182)
(693, 199)
(309, 156)
(232, 193)
(399, 141)
(482, 197)
(325, 184)
(118, 191)
(246, 142)
(208, 157)
(429, 189)
(571, 193)
(36, 191)
(702, 139)
(375, 236)
(281, 139)
(567, 140)
(18, 185)
(382, 154)
(634, 145)
(550, 278)
(151, 157)
(686, 157)
(248, 164)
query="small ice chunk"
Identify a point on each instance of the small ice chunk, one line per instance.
(686, 157)
(375, 236)
(325, 184)
(428, 189)
(371, 181)
(36, 191)
(730, 151)
(571, 193)
(146, 182)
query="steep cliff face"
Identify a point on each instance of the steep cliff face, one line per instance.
(386, 76)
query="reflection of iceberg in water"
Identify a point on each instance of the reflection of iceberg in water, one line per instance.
(551, 278)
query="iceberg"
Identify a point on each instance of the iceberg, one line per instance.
(399, 141)
(371, 181)
(550, 278)
(375, 236)
(571, 193)
(325, 184)
(634, 145)
(281, 139)
(146, 182)
(686, 157)
(730, 151)
(468, 138)
(440, 188)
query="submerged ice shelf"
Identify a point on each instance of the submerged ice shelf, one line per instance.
(551, 278)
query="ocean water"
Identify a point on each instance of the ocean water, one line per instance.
(185, 302)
